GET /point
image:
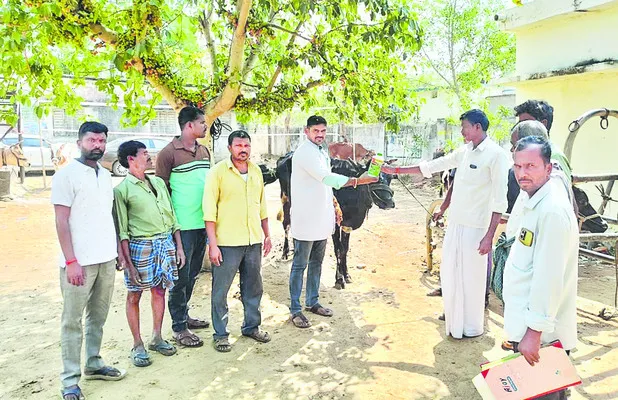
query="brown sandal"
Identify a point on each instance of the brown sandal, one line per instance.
(188, 339)
(507, 346)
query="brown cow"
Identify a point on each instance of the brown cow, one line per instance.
(343, 151)
(13, 155)
(65, 153)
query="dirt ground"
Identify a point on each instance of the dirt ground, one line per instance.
(385, 340)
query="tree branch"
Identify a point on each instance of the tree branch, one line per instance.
(102, 33)
(110, 38)
(172, 99)
(294, 32)
(275, 76)
(231, 91)
(204, 21)
(274, 96)
(352, 24)
(311, 85)
(435, 68)
(451, 15)
(254, 52)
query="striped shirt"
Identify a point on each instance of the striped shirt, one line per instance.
(184, 172)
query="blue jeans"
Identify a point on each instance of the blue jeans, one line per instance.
(194, 245)
(306, 253)
(247, 260)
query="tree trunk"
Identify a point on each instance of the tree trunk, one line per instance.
(288, 138)
(270, 139)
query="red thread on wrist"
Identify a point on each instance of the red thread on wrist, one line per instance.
(397, 170)
(71, 261)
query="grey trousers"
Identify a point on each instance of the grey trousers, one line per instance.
(94, 298)
(247, 260)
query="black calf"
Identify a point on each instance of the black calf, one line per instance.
(354, 202)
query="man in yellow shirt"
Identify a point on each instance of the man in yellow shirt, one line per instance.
(236, 224)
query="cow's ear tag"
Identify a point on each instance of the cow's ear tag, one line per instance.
(526, 237)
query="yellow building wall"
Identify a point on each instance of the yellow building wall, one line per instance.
(595, 150)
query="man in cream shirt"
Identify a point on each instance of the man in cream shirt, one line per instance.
(313, 216)
(83, 197)
(560, 178)
(540, 277)
(562, 184)
(478, 201)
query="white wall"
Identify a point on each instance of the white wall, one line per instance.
(565, 39)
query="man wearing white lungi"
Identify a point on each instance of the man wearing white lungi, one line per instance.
(477, 204)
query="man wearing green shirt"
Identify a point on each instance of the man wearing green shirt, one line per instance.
(183, 165)
(146, 222)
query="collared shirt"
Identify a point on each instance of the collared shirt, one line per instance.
(557, 178)
(185, 173)
(480, 183)
(236, 207)
(140, 212)
(312, 211)
(540, 276)
(88, 192)
(559, 162)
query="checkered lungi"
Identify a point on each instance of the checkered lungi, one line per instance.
(155, 261)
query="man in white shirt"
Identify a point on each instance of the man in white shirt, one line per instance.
(540, 277)
(558, 177)
(82, 196)
(312, 216)
(478, 201)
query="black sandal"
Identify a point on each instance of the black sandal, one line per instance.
(259, 336)
(196, 323)
(222, 345)
(319, 310)
(106, 373)
(300, 321)
(74, 391)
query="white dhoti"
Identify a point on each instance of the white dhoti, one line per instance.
(463, 277)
